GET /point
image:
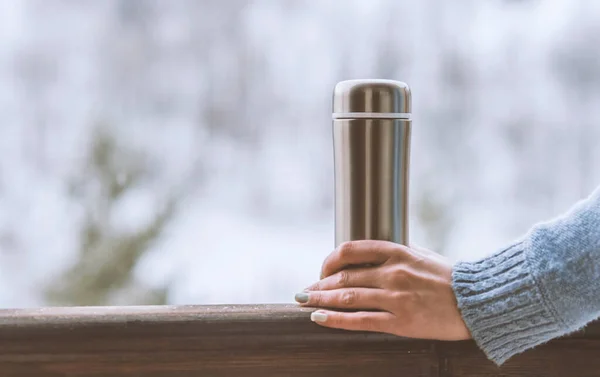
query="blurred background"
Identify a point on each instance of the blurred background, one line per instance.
(180, 152)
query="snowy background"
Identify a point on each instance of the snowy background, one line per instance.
(180, 151)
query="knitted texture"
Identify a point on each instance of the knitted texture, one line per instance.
(545, 285)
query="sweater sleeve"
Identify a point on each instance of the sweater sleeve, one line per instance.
(545, 285)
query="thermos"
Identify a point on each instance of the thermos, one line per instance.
(371, 138)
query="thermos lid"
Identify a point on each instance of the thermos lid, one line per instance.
(371, 99)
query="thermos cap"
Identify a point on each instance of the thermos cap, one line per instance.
(371, 99)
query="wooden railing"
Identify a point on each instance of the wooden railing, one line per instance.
(262, 340)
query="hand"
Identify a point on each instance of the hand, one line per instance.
(390, 288)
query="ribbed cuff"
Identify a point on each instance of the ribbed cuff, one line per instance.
(502, 305)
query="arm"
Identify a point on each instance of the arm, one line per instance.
(543, 286)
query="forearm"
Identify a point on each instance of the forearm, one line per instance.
(543, 286)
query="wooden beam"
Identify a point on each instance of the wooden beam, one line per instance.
(261, 340)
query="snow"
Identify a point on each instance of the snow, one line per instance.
(228, 105)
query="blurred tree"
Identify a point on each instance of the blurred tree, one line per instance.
(434, 215)
(577, 68)
(104, 268)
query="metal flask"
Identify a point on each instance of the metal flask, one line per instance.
(371, 138)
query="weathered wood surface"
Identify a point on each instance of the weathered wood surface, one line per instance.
(264, 340)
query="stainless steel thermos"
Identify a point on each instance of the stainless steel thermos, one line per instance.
(371, 138)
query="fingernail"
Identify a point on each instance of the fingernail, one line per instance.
(318, 317)
(301, 298)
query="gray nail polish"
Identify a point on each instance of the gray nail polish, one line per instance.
(301, 298)
(318, 317)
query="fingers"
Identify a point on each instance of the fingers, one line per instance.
(356, 321)
(356, 253)
(347, 298)
(354, 277)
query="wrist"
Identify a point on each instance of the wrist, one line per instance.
(502, 304)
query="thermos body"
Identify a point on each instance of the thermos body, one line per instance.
(371, 138)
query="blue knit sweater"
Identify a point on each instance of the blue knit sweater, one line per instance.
(544, 285)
